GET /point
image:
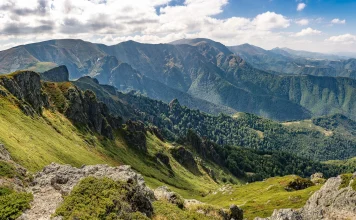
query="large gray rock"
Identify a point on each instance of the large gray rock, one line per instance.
(55, 181)
(163, 193)
(330, 202)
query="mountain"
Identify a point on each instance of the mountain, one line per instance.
(201, 73)
(287, 61)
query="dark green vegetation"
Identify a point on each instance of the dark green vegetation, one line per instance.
(310, 138)
(7, 170)
(103, 198)
(13, 203)
(201, 73)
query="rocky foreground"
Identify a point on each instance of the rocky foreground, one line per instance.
(336, 200)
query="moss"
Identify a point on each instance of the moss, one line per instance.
(345, 180)
(12, 204)
(96, 198)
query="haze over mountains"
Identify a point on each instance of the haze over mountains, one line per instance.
(204, 74)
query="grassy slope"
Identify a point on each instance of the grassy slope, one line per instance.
(261, 198)
(36, 142)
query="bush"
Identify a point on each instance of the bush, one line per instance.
(7, 170)
(299, 184)
(96, 198)
(345, 180)
(12, 203)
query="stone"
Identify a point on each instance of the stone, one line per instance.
(163, 193)
(236, 213)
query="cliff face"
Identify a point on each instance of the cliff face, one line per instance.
(26, 87)
(82, 108)
(336, 200)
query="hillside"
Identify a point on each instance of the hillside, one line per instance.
(45, 121)
(308, 138)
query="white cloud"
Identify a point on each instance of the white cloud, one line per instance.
(345, 39)
(301, 6)
(338, 21)
(302, 22)
(307, 32)
(270, 20)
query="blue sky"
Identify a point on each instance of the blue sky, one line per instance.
(314, 25)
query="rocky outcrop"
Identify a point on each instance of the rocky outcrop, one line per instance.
(186, 159)
(135, 135)
(26, 87)
(83, 108)
(57, 74)
(55, 181)
(163, 193)
(336, 200)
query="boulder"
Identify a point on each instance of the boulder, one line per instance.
(236, 213)
(163, 193)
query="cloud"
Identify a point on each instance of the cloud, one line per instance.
(338, 21)
(344, 39)
(154, 21)
(301, 6)
(270, 20)
(307, 32)
(302, 22)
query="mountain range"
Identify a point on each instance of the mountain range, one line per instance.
(200, 73)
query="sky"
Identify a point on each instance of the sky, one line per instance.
(314, 25)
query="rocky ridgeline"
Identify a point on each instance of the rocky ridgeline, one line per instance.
(26, 87)
(336, 200)
(56, 181)
(81, 107)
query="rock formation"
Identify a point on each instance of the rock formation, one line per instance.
(336, 200)
(55, 181)
(26, 87)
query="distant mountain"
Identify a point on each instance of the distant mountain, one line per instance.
(201, 73)
(309, 55)
(284, 60)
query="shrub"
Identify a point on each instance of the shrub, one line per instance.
(345, 180)
(96, 198)
(7, 170)
(12, 204)
(299, 184)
